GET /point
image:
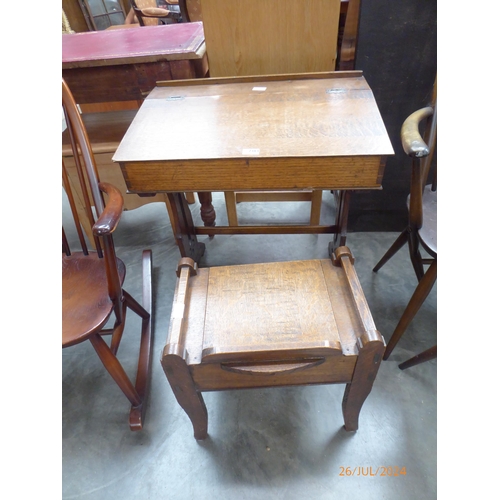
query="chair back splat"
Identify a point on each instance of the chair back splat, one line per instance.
(92, 280)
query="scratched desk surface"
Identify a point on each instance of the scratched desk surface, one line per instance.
(295, 131)
(323, 117)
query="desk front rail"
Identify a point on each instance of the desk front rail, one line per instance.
(246, 174)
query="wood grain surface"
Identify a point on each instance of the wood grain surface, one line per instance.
(299, 133)
(269, 307)
(258, 37)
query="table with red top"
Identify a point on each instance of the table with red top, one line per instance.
(125, 64)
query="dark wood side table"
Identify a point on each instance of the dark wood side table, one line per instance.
(125, 64)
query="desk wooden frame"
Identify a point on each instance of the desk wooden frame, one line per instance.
(354, 162)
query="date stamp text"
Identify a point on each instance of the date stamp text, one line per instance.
(372, 471)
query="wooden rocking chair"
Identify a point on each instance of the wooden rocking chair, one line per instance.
(92, 280)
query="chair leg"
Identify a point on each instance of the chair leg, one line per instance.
(136, 417)
(118, 330)
(115, 369)
(395, 247)
(415, 257)
(419, 295)
(232, 214)
(136, 394)
(190, 198)
(420, 358)
(183, 386)
(361, 385)
(316, 200)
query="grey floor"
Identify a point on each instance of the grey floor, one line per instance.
(263, 444)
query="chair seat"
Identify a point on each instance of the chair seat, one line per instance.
(86, 305)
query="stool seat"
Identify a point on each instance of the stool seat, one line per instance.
(270, 325)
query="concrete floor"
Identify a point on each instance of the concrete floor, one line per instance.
(263, 444)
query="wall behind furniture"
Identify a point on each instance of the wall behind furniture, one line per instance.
(397, 51)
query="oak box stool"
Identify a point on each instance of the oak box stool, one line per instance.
(269, 325)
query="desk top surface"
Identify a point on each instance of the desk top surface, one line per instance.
(331, 114)
(142, 44)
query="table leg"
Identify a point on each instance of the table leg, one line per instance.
(340, 237)
(207, 210)
(183, 227)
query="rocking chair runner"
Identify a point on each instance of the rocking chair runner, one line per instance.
(270, 325)
(92, 280)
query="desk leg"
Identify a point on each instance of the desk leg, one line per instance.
(183, 227)
(339, 240)
(207, 210)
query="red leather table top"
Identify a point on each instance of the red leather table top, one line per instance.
(143, 44)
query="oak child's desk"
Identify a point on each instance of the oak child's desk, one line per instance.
(287, 132)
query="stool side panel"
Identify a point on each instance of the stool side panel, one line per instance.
(212, 377)
(194, 319)
(348, 322)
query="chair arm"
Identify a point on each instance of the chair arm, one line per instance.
(154, 12)
(412, 141)
(112, 212)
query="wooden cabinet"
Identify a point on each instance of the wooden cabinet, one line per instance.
(262, 37)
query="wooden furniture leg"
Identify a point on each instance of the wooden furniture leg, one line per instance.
(365, 372)
(395, 247)
(339, 240)
(416, 258)
(419, 295)
(232, 214)
(115, 369)
(174, 355)
(190, 198)
(183, 227)
(135, 394)
(143, 369)
(420, 358)
(207, 210)
(370, 346)
(316, 199)
(181, 381)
